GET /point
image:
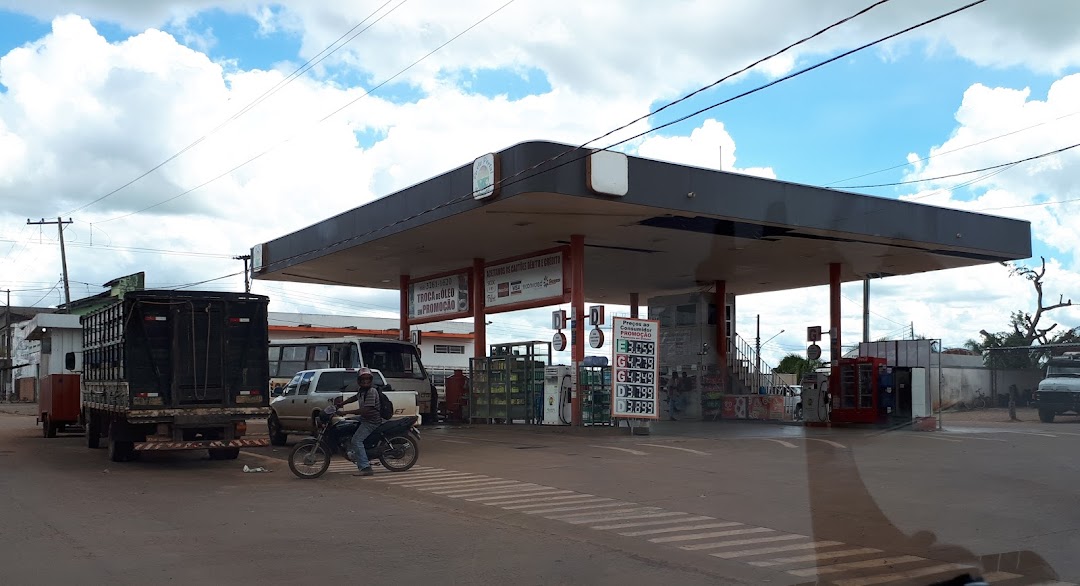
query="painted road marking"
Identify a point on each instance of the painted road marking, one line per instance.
(577, 508)
(727, 555)
(627, 450)
(679, 528)
(635, 508)
(830, 442)
(887, 562)
(817, 557)
(517, 494)
(781, 442)
(647, 523)
(995, 577)
(698, 452)
(917, 573)
(476, 488)
(710, 535)
(480, 491)
(454, 441)
(672, 527)
(546, 501)
(940, 439)
(623, 517)
(735, 542)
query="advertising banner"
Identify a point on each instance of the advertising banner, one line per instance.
(534, 281)
(439, 298)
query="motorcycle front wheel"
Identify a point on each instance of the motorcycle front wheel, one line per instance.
(401, 453)
(309, 459)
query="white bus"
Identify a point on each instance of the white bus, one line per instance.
(398, 361)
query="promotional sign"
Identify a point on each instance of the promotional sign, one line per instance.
(485, 176)
(532, 281)
(635, 369)
(439, 298)
(596, 338)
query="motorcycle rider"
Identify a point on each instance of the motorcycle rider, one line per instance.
(370, 419)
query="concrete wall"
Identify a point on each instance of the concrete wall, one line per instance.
(963, 376)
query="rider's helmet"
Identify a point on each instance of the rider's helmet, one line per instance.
(365, 373)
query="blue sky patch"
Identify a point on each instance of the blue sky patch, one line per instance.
(237, 37)
(515, 84)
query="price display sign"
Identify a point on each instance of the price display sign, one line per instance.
(635, 373)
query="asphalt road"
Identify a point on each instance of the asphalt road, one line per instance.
(692, 503)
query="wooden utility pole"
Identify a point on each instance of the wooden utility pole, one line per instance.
(10, 372)
(60, 223)
(247, 275)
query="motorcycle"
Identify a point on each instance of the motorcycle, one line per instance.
(395, 444)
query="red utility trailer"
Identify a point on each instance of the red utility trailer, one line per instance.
(58, 403)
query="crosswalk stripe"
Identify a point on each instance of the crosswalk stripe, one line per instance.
(481, 490)
(455, 483)
(519, 494)
(452, 490)
(515, 492)
(545, 501)
(447, 478)
(421, 475)
(816, 557)
(647, 523)
(468, 485)
(635, 509)
(679, 528)
(727, 555)
(575, 501)
(577, 508)
(917, 573)
(874, 563)
(710, 535)
(454, 478)
(737, 542)
(641, 516)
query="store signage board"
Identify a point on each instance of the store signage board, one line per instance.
(439, 298)
(635, 374)
(533, 281)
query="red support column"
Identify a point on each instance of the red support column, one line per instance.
(403, 322)
(720, 299)
(577, 300)
(633, 305)
(834, 324)
(479, 318)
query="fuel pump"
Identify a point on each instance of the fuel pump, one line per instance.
(558, 389)
(815, 397)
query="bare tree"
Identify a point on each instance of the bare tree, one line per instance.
(1025, 324)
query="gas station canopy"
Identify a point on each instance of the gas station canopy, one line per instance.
(649, 227)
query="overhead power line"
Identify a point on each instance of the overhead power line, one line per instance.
(207, 281)
(299, 71)
(548, 166)
(133, 249)
(951, 175)
(323, 119)
(950, 151)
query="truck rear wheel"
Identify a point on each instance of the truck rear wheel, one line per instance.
(93, 431)
(48, 428)
(224, 453)
(120, 451)
(1046, 415)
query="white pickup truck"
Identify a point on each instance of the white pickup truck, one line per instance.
(293, 412)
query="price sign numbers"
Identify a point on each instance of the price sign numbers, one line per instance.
(635, 407)
(640, 362)
(635, 347)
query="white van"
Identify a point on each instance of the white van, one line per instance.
(398, 361)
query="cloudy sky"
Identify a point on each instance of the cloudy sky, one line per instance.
(175, 136)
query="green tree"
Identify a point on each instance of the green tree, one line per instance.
(797, 365)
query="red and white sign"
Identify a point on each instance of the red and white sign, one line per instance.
(439, 298)
(532, 281)
(635, 374)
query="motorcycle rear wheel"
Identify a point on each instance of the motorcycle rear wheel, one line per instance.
(309, 459)
(401, 454)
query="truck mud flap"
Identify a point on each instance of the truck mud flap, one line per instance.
(202, 444)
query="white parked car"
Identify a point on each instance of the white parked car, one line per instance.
(310, 391)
